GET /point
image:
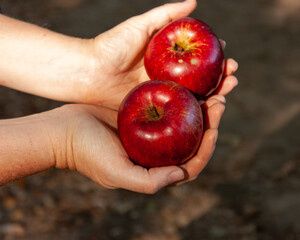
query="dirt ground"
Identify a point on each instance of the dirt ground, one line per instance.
(251, 187)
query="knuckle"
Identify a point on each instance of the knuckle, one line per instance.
(220, 98)
(219, 110)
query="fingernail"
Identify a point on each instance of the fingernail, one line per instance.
(176, 176)
(223, 43)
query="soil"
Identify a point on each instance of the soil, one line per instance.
(251, 187)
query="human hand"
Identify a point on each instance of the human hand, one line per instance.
(84, 137)
(90, 145)
(92, 71)
(213, 109)
(120, 53)
(94, 148)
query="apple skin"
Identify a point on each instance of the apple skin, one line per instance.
(160, 123)
(186, 51)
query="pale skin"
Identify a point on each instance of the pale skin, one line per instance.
(95, 74)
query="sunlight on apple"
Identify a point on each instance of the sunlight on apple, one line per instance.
(168, 131)
(178, 70)
(147, 136)
(194, 61)
(163, 98)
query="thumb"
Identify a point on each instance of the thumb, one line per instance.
(149, 181)
(161, 16)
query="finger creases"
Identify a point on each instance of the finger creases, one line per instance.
(213, 114)
(214, 99)
(227, 85)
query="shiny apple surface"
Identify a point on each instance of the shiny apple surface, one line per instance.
(187, 52)
(160, 123)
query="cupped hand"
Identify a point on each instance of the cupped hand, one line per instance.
(93, 148)
(120, 53)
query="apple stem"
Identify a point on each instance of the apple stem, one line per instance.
(153, 112)
(178, 48)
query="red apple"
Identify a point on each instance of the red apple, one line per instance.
(187, 52)
(160, 123)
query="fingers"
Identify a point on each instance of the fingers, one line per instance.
(227, 85)
(214, 99)
(223, 43)
(160, 16)
(149, 181)
(229, 82)
(231, 66)
(138, 179)
(213, 110)
(194, 166)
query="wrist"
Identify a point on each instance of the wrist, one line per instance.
(25, 147)
(35, 143)
(86, 73)
(51, 65)
(79, 76)
(63, 125)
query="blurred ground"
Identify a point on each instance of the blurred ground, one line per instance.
(250, 189)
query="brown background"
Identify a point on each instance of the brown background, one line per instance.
(251, 187)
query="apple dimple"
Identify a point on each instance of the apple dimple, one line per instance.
(180, 47)
(154, 113)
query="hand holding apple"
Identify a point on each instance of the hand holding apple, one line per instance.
(119, 53)
(185, 51)
(107, 163)
(99, 70)
(84, 137)
(94, 149)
